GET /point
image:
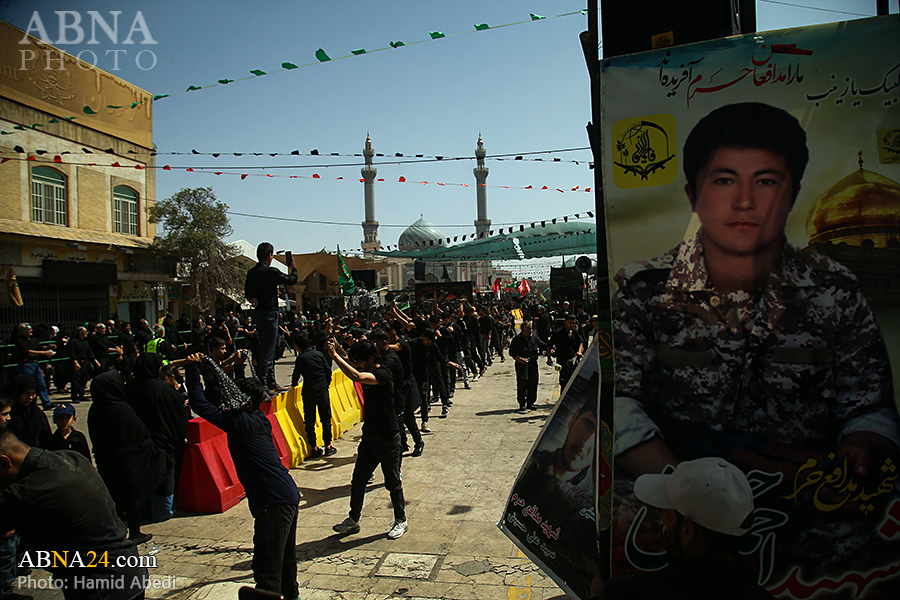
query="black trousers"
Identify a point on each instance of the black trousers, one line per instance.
(409, 392)
(374, 449)
(311, 404)
(565, 374)
(526, 383)
(274, 549)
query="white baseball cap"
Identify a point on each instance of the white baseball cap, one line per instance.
(709, 491)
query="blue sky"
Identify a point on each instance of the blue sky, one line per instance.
(523, 87)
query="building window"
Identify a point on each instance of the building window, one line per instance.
(49, 201)
(125, 211)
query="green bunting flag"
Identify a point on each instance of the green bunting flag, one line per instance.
(535, 17)
(289, 65)
(258, 72)
(358, 52)
(482, 27)
(436, 35)
(321, 56)
(345, 279)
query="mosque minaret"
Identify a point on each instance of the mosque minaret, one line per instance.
(482, 223)
(370, 225)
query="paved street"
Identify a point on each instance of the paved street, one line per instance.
(454, 492)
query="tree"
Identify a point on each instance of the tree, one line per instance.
(194, 225)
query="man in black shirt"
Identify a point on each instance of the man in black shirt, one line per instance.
(143, 334)
(57, 502)
(524, 350)
(316, 372)
(83, 363)
(567, 345)
(261, 289)
(380, 435)
(129, 349)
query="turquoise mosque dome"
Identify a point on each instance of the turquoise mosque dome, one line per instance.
(420, 235)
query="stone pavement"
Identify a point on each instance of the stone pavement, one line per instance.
(455, 494)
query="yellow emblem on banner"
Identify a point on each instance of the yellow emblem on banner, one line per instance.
(663, 40)
(644, 151)
(889, 146)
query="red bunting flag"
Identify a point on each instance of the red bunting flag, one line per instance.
(167, 168)
(315, 176)
(57, 159)
(402, 179)
(243, 176)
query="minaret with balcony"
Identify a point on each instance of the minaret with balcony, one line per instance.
(370, 225)
(482, 223)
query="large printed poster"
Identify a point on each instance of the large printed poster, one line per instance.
(753, 206)
(560, 500)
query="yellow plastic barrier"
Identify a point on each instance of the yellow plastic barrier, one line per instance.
(346, 409)
(284, 407)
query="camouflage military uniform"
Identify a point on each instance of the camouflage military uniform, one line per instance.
(801, 361)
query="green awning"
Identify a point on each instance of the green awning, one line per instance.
(538, 241)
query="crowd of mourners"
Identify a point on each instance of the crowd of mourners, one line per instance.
(141, 400)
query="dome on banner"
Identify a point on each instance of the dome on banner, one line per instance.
(420, 235)
(862, 209)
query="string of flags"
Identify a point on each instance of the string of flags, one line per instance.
(321, 56)
(57, 159)
(516, 156)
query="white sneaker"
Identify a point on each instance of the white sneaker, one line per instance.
(346, 526)
(425, 427)
(397, 530)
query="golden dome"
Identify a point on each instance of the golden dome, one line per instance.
(862, 209)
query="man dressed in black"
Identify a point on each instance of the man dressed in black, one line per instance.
(261, 289)
(567, 345)
(57, 502)
(524, 350)
(380, 435)
(271, 491)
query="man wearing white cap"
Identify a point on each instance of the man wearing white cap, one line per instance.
(706, 504)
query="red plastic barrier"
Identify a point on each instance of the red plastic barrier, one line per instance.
(284, 454)
(208, 481)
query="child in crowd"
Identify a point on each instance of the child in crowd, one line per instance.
(66, 437)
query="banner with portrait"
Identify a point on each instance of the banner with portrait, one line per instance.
(787, 376)
(560, 500)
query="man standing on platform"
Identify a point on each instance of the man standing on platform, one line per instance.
(261, 289)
